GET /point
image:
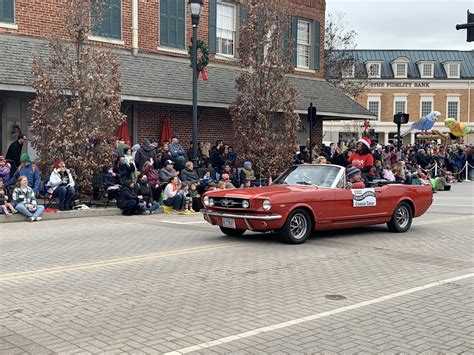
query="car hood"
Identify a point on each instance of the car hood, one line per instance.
(265, 192)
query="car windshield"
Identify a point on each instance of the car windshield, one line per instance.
(315, 175)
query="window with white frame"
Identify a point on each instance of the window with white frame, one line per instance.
(374, 70)
(426, 106)
(401, 70)
(226, 28)
(427, 70)
(399, 104)
(453, 70)
(348, 71)
(374, 107)
(304, 44)
(453, 108)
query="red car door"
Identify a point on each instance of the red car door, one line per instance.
(358, 206)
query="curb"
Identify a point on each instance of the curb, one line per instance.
(93, 212)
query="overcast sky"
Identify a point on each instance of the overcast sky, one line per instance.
(405, 24)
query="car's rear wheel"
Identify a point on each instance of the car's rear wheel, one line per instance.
(232, 232)
(297, 227)
(401, 219)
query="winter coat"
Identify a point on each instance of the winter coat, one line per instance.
(189, 176)
(126, 194)
(144, 189)
(247, 175)
(151, 174)
(55, 180)
(145, 152)
(32, 173)
(124, 171)
(25, 197)
(5, 172)
(166, 175)
(111, 180)
(14, 153)
(176, 150)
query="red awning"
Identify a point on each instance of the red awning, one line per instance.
(122, 132)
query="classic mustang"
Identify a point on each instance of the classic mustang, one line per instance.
(314, 197)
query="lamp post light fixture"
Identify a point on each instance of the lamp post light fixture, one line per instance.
(195, 8)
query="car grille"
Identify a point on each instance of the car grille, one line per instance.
(225, 202)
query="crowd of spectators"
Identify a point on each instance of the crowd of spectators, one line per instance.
(148, 178)
(417, 164)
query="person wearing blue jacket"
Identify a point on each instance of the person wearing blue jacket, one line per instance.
(31, 171)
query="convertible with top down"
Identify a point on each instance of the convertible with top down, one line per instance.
(308, 198)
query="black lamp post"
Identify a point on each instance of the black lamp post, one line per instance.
(195, 7)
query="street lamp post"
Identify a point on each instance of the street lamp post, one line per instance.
(195, 7)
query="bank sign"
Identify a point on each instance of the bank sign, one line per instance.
(400, 84)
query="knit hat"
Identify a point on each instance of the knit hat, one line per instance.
(25, 158)
(57, 163)
(351, 171)
(247, 165)
(366, 141)
(225, 177)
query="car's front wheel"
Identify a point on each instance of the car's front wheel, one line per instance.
(297, 227)
(232, 232)
(401, 219)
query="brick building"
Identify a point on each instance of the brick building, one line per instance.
(151, 38)
(411, 81)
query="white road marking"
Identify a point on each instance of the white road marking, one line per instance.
(174, 222)
(290, 323)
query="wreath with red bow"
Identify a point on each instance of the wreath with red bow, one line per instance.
(203, 58)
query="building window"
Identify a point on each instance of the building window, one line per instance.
(400, 106)
(453, 109)
(453, 71)
(304, 44)
(374, 107)
(172, 23)
(426, 107)
(427, 70)
(401, 70)
(7, 11)
(373, 70)
(110, 21)
(348, 71)
(225, 31)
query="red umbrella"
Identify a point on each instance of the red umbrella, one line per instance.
(122, 132)
(166, 131)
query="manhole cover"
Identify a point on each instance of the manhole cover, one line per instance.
(335, 297)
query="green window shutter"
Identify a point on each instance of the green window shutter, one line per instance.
(212, 26)
(115, 29)
(7, 12)
(316, 27)
(164, 23)
(172, 23)
(294, 38)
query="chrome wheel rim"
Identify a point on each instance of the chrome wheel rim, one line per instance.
(402, 217)
(298, 226)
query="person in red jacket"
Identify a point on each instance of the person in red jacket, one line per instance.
(362, 159)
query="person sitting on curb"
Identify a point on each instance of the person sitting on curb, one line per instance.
(354, 178)
(31, 171)
(5, 169)
(152, 179)
(128, 201)
(24, 200)
(188, 174)
(171, 196)
(61, 184)
(167, 172)
(143, 188)
(4, 204)
(112, 183)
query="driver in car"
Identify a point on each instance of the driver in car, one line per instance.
(354, 178)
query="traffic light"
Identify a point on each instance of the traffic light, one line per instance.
(469, 26)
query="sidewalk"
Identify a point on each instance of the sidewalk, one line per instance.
(93, 212)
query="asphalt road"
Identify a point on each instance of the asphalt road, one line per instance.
(158, 284)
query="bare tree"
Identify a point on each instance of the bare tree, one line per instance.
(78, 97)
(341, 66)
(263, 113)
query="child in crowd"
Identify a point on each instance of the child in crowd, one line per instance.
(4, 201)
(188, 200)
(211, 186)
(388, 174)
(5, 169)
(221, 185)
(196, 196)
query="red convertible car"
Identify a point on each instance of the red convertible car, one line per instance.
(309, 198)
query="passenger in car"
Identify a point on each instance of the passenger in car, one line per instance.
(354, 178)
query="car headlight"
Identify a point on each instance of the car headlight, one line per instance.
(266, 205)
(245, 204)
(206, 201)
(211, 202)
